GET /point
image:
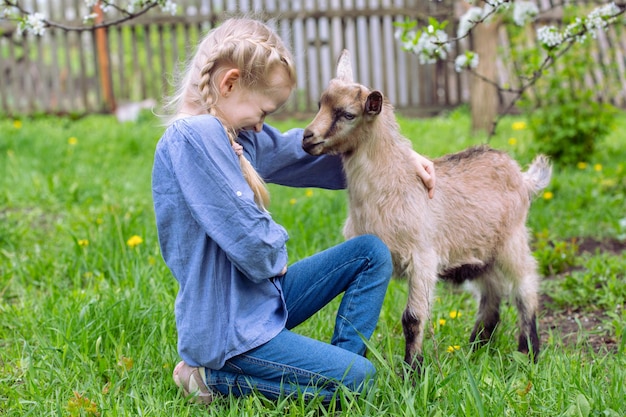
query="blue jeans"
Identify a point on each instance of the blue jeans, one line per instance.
(292, 364)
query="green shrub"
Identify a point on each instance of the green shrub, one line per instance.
(565, 113)
(569, 123)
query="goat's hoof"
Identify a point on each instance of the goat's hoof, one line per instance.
(416, 362)
(532, 355)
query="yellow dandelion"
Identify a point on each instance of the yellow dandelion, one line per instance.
(83, 242)
(582, 165)
(309, 193)
(134, 241)
(548, 195)
(455, 314)
(293, 201)
(442, 322)
(597, 167)
(519, 125)
(512, 141)
(99, 220)
(453, 348)
(17, 124)
(72, 141)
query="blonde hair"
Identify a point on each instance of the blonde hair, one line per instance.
(248, 45)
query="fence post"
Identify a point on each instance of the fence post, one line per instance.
(103, 62)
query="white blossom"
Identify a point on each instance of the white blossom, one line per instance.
(398, 34)
(431, 46)
(8, 11)
(577, 30)
(549, 36)
(467, 60)
(33, 23)
(469, 20)
(90, 3)
(524, 11)
(602, 16)
(169, 7)
(408, 39)
(492, 6)
(90, 18)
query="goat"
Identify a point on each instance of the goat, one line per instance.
(473, 229)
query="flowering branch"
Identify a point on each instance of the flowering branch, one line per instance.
(36, 23)
(433, 44)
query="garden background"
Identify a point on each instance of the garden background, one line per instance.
(86, 303)
(65, 71)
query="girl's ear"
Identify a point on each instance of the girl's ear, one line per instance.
(229, 81)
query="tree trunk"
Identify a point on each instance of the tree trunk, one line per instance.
(484, 96)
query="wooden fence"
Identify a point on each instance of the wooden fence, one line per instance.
(65, 72)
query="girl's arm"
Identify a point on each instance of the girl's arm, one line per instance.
(280, 159)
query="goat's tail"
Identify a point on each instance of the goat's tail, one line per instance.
(538, 175)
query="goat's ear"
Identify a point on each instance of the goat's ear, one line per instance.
(344, 67)
(374, 103)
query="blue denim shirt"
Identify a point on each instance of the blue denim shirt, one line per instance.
(220, 247)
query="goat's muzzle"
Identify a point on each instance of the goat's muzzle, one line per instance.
(311, 144)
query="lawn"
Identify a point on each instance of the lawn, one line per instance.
(86, 307)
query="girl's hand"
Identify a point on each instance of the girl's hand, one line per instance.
(426, 172)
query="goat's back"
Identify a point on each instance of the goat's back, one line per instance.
(480, 199)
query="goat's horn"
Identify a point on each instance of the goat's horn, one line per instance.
(344, 67)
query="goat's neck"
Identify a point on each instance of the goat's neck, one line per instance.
(380, 146)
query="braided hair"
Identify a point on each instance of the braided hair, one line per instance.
(243, 43)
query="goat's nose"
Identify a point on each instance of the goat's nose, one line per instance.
(307, 134)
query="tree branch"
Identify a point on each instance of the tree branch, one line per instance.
(105, 24)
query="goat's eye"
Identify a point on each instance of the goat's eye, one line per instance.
(348, 116)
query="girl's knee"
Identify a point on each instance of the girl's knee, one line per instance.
(378, 252)
(360, 375)
(374, 247)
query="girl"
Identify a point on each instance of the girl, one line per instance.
(237, 300)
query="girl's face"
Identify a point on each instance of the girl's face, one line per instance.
(244, 109)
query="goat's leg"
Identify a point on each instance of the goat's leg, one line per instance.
(488, 317)
(529, 336)
(417, 312)
(523, 269)
(413, 327)
(526, 302)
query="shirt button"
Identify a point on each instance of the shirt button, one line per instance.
(239, 193)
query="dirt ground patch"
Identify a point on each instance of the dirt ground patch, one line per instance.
(573, 324)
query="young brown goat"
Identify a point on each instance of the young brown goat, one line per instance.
(472, 230)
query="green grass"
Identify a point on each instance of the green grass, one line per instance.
(87, 325)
